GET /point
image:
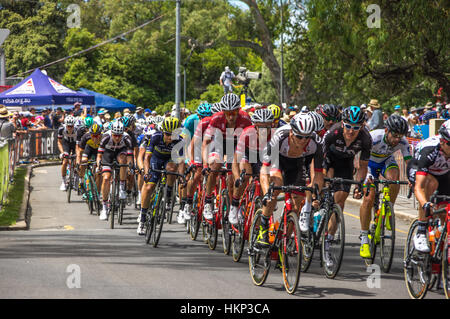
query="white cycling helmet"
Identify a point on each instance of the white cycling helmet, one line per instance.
(216, 107)
(262, 116)
(117, 128)
(302, 124)
(230, 102)
(318, 121)
(70, 120)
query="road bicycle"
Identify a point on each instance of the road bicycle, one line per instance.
(220, 215)
(71, 174)
(117, 205)
(285, 244)
(382, 228)
(157, 213)
(90, 189)
(422, 270)
(248, 205)
(329, 233)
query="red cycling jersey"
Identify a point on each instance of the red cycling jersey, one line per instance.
(219, 122)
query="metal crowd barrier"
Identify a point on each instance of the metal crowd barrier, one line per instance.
(24, 148)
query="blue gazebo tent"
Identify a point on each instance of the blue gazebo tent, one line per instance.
(40, 90)
(108, 102)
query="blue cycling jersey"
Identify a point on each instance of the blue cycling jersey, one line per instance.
(157, 147)
(190, 124)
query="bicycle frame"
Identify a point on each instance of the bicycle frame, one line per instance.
(252, 190)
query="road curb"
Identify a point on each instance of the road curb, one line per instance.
(24, 220)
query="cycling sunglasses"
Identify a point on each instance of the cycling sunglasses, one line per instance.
(352, 127)
(117, 135)
(301, 137)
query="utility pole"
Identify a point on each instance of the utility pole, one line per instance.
(4, 33)
(177, 61)
(282, 60)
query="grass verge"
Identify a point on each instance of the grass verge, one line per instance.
(10, 212)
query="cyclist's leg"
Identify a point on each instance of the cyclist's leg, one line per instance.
(215, 163)
(366, 208)
(392, 172)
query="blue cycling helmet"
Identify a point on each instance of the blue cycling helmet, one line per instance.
(353, 115)
(125, 121)
(204, 110)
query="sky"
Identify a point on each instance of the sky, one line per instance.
(239, 4)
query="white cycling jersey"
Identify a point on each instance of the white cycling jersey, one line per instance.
(381, 151)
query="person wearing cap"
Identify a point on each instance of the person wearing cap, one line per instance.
(429, 113)
(147, 113)
(77, 109)
(126, 112)
(100, 118)
(226, 80)
(376, 121)
(7, 128)
(397, 109)
(139, 113)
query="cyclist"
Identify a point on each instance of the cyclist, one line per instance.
(204, 113)
(115, 145)
(385, 142)
(89, 148)
(284, 164)
(428, 171)
(276, 111)
(66, 146)
(330, 114)
(224, 128)
(159, 155)
(248, 154)
(341, 143)
(129, 123)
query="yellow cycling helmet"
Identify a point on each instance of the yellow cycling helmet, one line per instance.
(170, 124)
(95, 129)
(275, 110)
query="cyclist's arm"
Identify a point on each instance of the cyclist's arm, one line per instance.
(148, 156)
(362, 171)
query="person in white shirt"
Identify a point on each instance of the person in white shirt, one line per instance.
(226, 80)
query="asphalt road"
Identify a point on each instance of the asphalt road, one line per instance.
(68, 253)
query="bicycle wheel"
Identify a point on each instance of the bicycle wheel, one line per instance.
(158, 220)
(307, 245)
(291, 254)
(372, 244)
(258, 259)
(114, 202)
(387, 237)
(226, 227)
(173, 199)
(121, 207)
(444, 267)
(70, 184)
(333, 246)
(212, 233)
(417, 276)
(95, 196)
(148, 228)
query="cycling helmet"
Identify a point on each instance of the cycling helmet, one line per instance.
(397, 124)
(69, 120)
(262, 116)
(302, 124)
(353, 115)
(328, 111)
(95, 128)
(142, 122)
(275, 110)
(125, 121)
(170, 124)
(216, 107)
(204, 110)
(318, 121)
(88, 121)
(444, 130)
(305, 109)
(117, 128)
(230, 102)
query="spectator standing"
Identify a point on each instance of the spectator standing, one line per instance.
(100, 118)
(58, 118)
(139, 113)
(226, 80)
(7, 128)
(376, 121)
(429, 113)
(77, 109)
(47, 120)
(397, 109)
